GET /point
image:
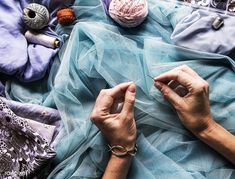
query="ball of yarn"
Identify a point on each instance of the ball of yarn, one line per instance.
(66, 16)
(36, 16)
(128, 13)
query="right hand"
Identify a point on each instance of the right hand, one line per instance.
(189, 94)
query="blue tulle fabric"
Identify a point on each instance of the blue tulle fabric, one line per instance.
(99, 54)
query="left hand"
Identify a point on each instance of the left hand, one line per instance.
(116, 124)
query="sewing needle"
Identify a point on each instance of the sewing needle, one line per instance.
(151, 77)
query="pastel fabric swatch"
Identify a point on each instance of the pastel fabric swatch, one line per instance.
(26, 61)
(195, 31)
(24, 150)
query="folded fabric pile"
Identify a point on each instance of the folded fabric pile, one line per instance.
(99, 54)
(24, 144)
(26, 61)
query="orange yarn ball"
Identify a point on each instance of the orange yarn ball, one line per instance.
(66, 16)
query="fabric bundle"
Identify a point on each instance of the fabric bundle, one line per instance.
(195, 31)
(101, 55)
(127, 13)
(27, 61)
(23, 150)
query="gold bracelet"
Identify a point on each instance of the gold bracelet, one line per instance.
(121, 151)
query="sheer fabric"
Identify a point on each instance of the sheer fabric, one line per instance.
(101, 55)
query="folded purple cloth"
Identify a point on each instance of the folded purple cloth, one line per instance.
(40, 116)
(24, 150)
(28, 62)
(106, 4)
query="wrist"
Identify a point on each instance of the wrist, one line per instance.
(128, 143)
(121, 160)
(209, 128)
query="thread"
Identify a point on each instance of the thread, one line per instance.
(127, 13)
(66, 16)
(42, 39)
(36, 16)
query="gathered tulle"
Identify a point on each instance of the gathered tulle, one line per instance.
(99, 55)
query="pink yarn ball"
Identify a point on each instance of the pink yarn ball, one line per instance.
(128, 13)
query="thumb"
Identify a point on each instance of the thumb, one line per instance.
(128, 106)
(169, 94)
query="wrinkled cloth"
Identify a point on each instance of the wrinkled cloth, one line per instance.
(101, 55)
(33, 111)
(163, 17)
(219, 4)
(28, 62)
(195, 31)
(39, 116)
(2, 89)
(24, 149)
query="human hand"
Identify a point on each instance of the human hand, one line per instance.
(113, 114)
(189, 94)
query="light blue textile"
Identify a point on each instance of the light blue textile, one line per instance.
(101, 55)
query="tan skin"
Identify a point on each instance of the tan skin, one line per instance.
(185, 90)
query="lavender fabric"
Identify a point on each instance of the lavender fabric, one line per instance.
(106, 4)
(28, 62)
(24, 150)
(195, 31)
(44, 119)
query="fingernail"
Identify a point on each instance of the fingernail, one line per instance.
(132, 88)
(155, 78)
(158, 85)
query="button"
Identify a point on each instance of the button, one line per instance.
(217, 23)
(231, 7)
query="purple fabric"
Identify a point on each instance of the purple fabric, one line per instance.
(28, 62)
(106, 4)
(41, 114)
(23, 149)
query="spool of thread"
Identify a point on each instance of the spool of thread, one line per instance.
(42, 39)
(66, 16)
(36, 16)
(127, 13)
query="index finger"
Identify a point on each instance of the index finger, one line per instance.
(119, 90)
(106, 97)
(177, 75)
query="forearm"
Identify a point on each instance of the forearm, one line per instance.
(220, 140)
(117, 167)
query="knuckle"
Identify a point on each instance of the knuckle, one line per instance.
(201, 87)
(103, 92)
(206, 85)
(165, 91)
(178, 73)
(130, 100)
(95, 116)
(184, 67)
